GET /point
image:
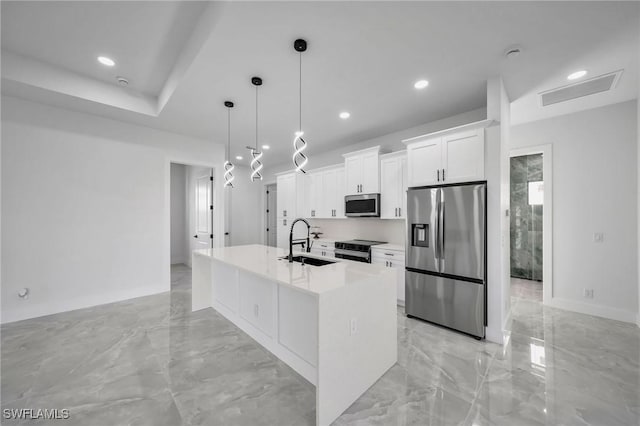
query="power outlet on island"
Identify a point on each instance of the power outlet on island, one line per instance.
(598, 237)
(353, 326)
(588, 293)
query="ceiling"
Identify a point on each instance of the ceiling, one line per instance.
(184, 59)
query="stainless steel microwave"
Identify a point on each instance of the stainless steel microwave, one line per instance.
(362, 205)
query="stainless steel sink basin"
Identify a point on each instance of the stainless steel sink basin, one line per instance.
(309, 260)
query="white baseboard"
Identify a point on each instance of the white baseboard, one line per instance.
(28, 311)
(595, 310)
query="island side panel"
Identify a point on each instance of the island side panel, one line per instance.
(200, 282)
(252, 303)
(352, 357)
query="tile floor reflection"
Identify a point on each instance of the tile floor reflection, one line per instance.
(150, 361)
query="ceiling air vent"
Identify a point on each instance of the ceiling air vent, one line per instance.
(591, 86)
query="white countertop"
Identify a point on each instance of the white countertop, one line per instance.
(396, 247)
(265, 261)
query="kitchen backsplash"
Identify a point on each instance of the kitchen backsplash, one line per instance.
(389, 230)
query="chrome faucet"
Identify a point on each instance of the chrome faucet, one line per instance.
(291, 243)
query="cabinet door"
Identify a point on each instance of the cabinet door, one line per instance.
(424, 162)
(403, 188)
(463, 156)
(391, 182)
(353, 178)
(339, 194)
(285, 198)
(328, 204)
(315, 195)
(370, 173)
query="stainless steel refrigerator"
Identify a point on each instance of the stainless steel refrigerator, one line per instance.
(446, 281)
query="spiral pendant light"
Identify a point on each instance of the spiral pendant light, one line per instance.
(228, 165)
(256, 155)
(299, 145)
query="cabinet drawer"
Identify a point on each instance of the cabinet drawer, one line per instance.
(387, 254)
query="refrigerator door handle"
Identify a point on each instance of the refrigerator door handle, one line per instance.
(441, 226)
(437, 239)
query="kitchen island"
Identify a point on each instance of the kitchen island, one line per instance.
(334, 324)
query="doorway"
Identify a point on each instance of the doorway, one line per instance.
(270, 220)
(527, 226)
(191, 198)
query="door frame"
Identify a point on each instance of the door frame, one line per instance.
(263, 218)
(264, 212)
(547, 218)
(218, 209)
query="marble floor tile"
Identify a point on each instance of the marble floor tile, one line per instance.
(151, 361)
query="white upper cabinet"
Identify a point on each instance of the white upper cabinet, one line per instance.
(362, 171)
(286, 198)
(325, 193)
(457, 157)
(393, 185)
(463, 156)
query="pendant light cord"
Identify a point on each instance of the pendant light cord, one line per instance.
(228, 133)
(300, 95)
(256, 118)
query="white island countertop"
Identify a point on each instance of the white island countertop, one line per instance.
(266, 262)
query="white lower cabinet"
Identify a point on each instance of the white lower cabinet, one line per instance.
(323, 248)
(391, 258)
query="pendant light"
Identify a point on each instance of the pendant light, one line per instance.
(299, 159)
(256, 155)
(228, 165)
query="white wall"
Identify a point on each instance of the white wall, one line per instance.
(246, 215)
(595, 189)
(179, 249)
(85, 207)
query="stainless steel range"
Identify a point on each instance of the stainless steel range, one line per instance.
(358, 250)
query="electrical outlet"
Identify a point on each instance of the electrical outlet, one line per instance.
(353, 326)
(256, 310)
(598, 237)
(588, 293)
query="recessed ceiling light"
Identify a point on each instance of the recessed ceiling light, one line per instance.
(238, 157)
(344, 115)
(576, 75)
(421, 84)
(265, 147)
(106, 61)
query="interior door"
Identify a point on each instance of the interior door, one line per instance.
(463, 231)
(203, 209)
(271, 222)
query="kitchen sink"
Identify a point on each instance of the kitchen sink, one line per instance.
(309, 260)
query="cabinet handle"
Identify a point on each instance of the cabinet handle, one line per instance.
(443, 175)
(438, 175)
(399, 211)
(284, 222)
(284, 213)
(388, 254)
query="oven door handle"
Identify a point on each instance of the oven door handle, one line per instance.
(352, 253)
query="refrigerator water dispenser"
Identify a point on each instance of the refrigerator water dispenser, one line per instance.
(420, 234)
